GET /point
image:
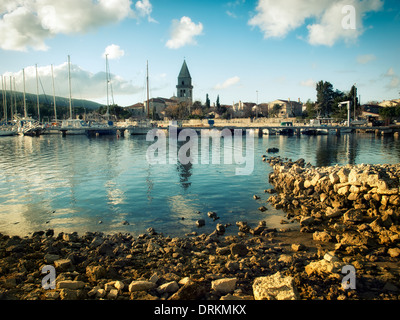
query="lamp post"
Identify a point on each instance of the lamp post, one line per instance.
(348, 111)
(257, 104)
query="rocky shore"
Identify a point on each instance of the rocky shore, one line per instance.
(349, 216)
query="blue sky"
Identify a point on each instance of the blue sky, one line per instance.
(238, 49)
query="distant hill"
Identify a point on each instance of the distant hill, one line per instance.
(80, 106)
(48, 100)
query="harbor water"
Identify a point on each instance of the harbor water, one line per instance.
(106, 183)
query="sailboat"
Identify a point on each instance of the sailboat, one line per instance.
(78, 126)
(54, 126)
(107, 127)
(142, 127)
(72, 126)
(28, 126)
(6, 128)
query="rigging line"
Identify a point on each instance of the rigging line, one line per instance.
(109, 79)
(44, 93)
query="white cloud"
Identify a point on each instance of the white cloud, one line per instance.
(394, 82)
(390, 72)
(277, 18)
(227, 83)
(183, 32)
(144, 9)
(364, 59)
(84, 84)
(19, 28)
(231, 14)
(308, 83)
(114, 52)
(394, 79)
(29, 23)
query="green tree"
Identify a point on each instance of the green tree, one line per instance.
(119, 112)
(325, 97)
(390, 113)
(276, 109)
(208, 103)
(310, 111)
(178, 112)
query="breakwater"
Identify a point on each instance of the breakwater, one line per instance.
(361, 199)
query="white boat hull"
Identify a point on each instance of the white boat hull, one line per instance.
(346, 130)
(7, 133)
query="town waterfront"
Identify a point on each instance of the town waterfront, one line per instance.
(105, 184)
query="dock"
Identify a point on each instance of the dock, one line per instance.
(258, 129)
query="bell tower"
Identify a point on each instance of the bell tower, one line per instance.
(184, 87)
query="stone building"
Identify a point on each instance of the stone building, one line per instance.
(184, 86)
(288, 108)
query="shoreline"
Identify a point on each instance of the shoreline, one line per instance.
(338, 228)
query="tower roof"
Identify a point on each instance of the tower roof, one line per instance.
(184, 71)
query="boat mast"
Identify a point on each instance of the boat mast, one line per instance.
(25, 112)
(69, 81)
(2, 95)
(5, 100)
(11, 98)
(107, 82)
(147, 84)
(37, 93)
(2, 90)
(54, 95)
(15, 99)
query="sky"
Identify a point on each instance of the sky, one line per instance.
(252, 51)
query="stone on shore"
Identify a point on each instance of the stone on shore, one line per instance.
(63, 265)
(200, 223)
(275, 287)
(322, 236)
(224, 286)
(239, 249)
(190, 291)
(95, 273)
(70, 284)
(169, 287)
(324, 266)
(140, 285)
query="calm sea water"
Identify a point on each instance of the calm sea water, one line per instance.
(72, 183)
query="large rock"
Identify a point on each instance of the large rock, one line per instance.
(190, 291)
(333, 212)
(275, 287)
(63, 265)
(239, 249)
(322, 236)
(306, 221)
(352, 215)
(330, 264)
(95, 273)
(70, 284)
(394, 252)
(356, 239)
(224, 285)
(141, 286)
(169, 287)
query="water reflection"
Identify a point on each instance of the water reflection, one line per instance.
(185, 172)
(73, 182)
(333, 149)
